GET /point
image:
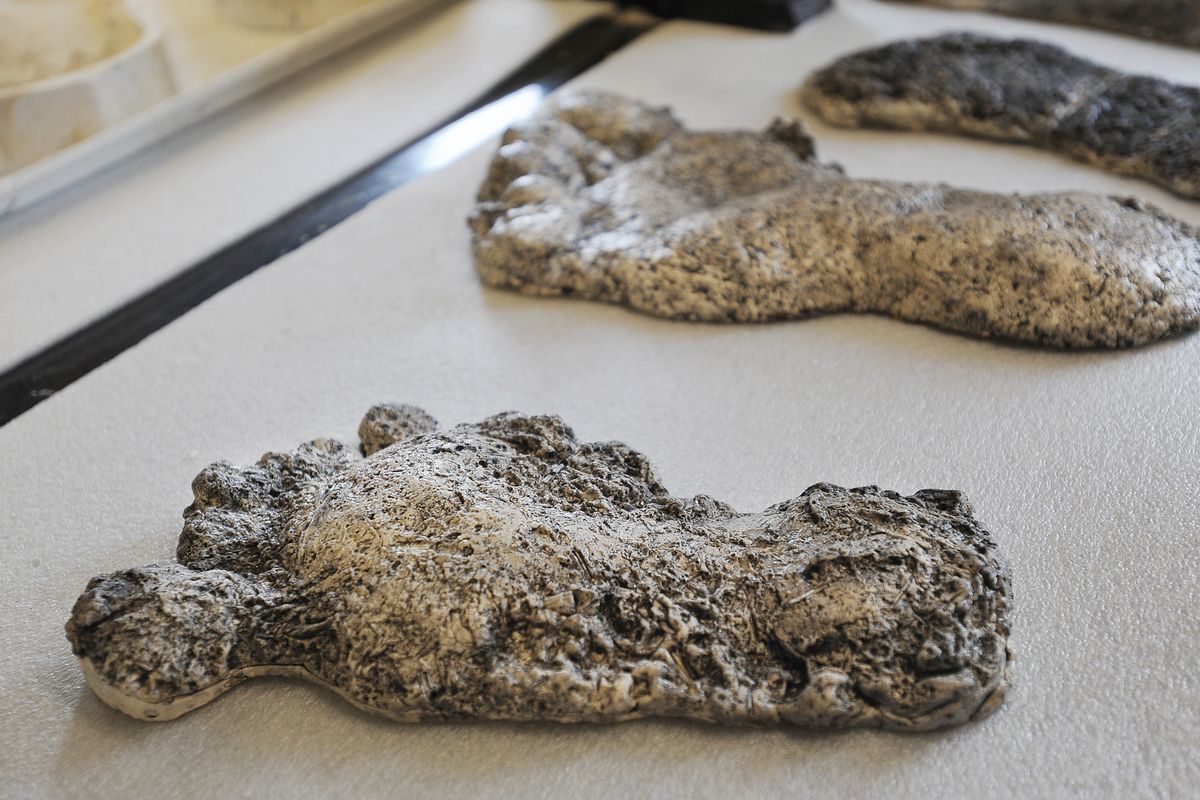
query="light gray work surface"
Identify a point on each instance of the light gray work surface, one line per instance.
(1084, 465)
(78, 256)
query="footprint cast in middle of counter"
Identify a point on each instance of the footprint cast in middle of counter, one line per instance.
(605, 198)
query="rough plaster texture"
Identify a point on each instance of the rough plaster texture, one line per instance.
(603, 197)
(1020, 91)
(505, 570)
(1171, 21)
(148, 218)
(1083, 464)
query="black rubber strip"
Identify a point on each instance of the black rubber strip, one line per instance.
(46, 372)
(768, 15)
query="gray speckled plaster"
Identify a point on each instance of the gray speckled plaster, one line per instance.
(1020, 90)
(603, 197)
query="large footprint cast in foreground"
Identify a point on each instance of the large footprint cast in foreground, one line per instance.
(606, 198)
(505, 570)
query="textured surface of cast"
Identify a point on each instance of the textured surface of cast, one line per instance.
(505, 570)
(1172, 21)
(605, 198)
(1022, 91)
(42, 39)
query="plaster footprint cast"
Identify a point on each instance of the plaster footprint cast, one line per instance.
(1023, 91)
(1171, 21)
(504, 570)
(609, 199)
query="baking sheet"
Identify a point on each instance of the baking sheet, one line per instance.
(215, 63)
(73, 258)
(1084, 465)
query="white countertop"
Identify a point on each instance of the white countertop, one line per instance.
(1084, 466)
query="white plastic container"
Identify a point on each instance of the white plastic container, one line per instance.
(295, 15)
(41, 117)
(214, 62)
